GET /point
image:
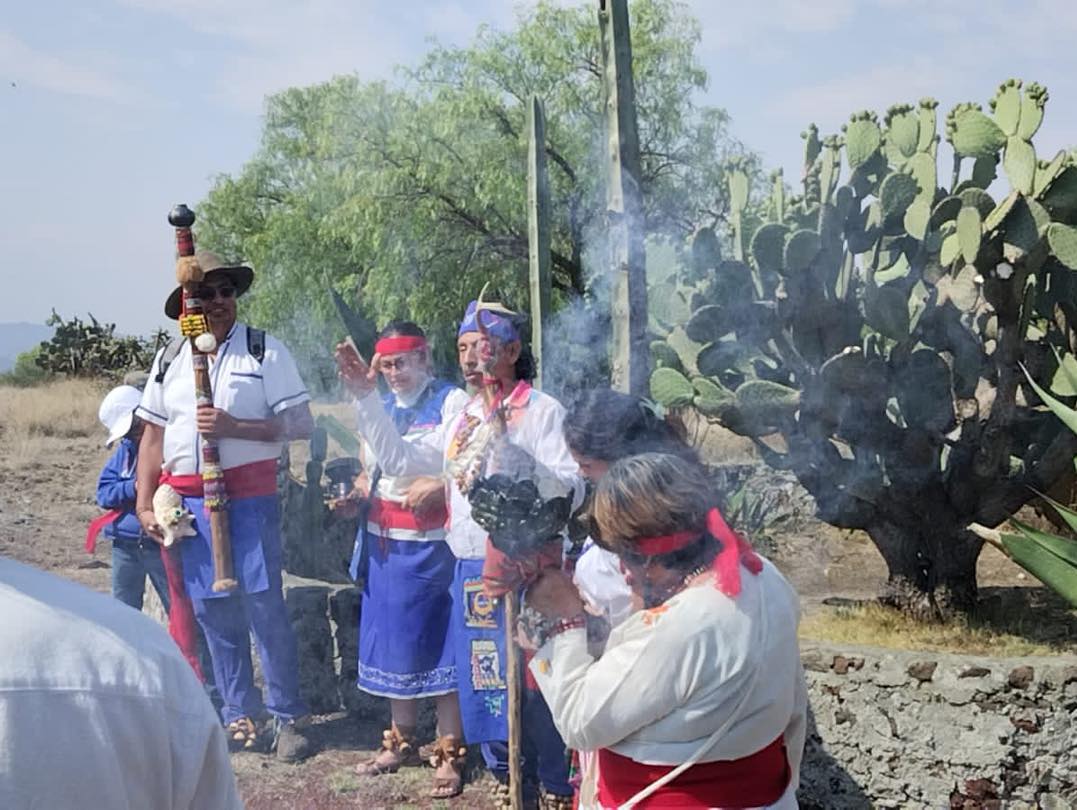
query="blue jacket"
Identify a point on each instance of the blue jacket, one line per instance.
(116, 490)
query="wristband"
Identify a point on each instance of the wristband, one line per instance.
(564, 625)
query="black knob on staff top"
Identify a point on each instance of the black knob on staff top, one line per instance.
(181, 216)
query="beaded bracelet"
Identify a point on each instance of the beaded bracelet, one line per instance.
(563, 625)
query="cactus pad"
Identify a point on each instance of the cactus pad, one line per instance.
(671, 389)
(972, 133)
(896, 193)
(706, 324)
(664, 356)
(768, 247)
(1032, 105)
(1007, 106)
(969, 230)
(1020, 164)
(801, 249)
(1063, 242)
(862, 139)
(706, 250)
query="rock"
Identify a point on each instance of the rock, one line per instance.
(974, 672)
(844, 716)
(814, 661)
(890, 675)
(1020, 677)
(842, 665)
(923, 670)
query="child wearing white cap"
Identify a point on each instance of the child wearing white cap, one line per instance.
(135, 555)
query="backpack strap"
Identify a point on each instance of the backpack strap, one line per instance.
(256, 347)
(256, 343)
(170, 353)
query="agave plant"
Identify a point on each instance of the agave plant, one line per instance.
(1050, 558)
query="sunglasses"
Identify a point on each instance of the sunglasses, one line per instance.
(210, 292)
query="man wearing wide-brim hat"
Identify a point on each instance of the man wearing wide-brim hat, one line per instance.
(259, 403)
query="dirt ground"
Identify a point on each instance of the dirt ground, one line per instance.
(47, 501)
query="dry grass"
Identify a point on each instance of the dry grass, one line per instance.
(66, 409)
(997, 630)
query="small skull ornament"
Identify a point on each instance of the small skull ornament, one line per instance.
(175, 521)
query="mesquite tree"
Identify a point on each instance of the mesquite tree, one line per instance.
(869, 335)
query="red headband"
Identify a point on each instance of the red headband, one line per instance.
(399, 343)
(735, 551)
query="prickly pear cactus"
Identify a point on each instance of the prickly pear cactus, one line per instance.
(873, 324)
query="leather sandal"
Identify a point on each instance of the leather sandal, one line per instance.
(397, 751)
(448, 750)
(243, 735)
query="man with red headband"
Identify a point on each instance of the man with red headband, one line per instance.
(260, 402)
(529, 424)
(406, 568)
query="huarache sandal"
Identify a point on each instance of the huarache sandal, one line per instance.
(243, 735)
(448, 757)
(397, 751)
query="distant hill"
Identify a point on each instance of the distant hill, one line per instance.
(16, 338)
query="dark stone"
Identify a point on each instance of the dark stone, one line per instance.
(1021, 677)
(974, 672)
(1025, 724)
(844, 716)
(923, 670)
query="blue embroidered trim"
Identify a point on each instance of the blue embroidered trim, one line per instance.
(440, 680)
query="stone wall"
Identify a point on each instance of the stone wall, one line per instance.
(903, 729)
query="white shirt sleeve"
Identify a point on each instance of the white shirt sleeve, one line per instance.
(596, 704)
(284, 388)
(397, 457)
(551, 450)
(152, 407)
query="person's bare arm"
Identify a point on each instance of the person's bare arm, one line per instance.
(288, 425)
(147, 473)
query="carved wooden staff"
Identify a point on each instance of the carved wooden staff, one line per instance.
(493, 399)
(193, 326)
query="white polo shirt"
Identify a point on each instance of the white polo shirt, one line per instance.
(242, 386)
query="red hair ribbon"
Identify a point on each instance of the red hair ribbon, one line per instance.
(735, 551)
(399, 343)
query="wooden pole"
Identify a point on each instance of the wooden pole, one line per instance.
(514, 685)
(538, 229)
(624, 205)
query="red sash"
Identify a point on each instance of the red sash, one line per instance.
(756, 780)
(393, 515)
(97, 525)
(245, 481)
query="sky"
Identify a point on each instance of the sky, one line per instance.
(111, 111)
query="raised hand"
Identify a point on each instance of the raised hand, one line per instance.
(358, 377)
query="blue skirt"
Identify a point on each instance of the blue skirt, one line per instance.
(479, 639)
(254, 530)
(404, 649)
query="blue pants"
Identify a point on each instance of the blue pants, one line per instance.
(543, 754)
(227, 623)
(132, 562)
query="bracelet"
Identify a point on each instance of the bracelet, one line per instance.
(564, 625)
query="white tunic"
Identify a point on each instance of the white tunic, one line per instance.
(242, 386)
(671, 676)
(98, 709)
(538, 430)
(395, 487)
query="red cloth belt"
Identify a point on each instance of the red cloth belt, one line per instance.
(97, 525)
(394, 515)
(756, 780)
(245, 481)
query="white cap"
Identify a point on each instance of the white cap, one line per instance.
(118, 410)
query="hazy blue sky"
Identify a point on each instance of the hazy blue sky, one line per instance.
(112, 110)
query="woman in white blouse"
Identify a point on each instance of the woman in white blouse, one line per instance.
(699, 698)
